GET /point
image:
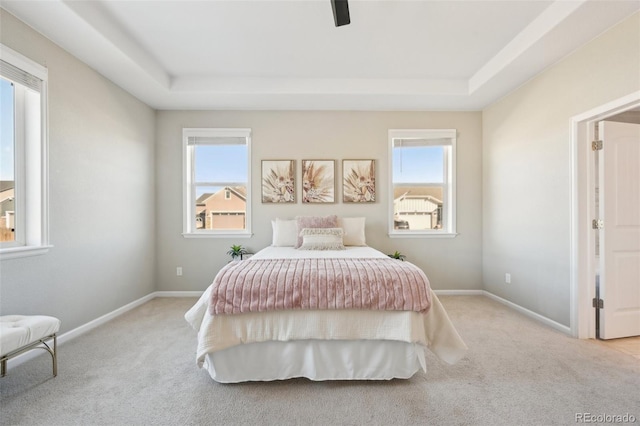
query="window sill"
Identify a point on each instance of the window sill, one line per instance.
(422, 234)
(217, 235)
(18, 252)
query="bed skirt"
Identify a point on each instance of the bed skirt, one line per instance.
(316, 360)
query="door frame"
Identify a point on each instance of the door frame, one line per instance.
(582, 245)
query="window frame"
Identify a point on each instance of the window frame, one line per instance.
(449, 185)
(189, 229)
(30, 161)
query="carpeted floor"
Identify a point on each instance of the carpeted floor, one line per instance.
(139, 369)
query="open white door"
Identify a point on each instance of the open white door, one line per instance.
(620, 234)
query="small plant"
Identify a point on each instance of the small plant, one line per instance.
(236, 251)
(397, 255)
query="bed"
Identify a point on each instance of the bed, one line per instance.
(259, 321)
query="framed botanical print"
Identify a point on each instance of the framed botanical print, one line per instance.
(358, 181)
(278, 181)
(318, 181)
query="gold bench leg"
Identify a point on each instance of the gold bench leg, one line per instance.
(55, 355)
(53, 352)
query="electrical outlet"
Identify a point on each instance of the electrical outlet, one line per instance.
(179, 271)
(507, 278)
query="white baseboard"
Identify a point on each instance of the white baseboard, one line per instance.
(178, 293)
(72, 334)
(551, 323)
(459, 292)
(78, 331)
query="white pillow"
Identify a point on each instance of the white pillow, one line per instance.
(284, 232)
(321, 239)
(353, 228)
(314, 222)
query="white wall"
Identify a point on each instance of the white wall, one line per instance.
(449, 263)
(102, 194)
(527, 169)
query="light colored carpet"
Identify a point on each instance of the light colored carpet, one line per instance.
(139, 369)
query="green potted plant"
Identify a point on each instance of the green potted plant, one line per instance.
(397, 255)
(236, 252)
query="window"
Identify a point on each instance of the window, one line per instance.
(23, 156)
(217, 197)
(422, 182)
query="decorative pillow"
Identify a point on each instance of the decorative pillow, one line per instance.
(314, 222)
(321, 239)
(353, 228)
(285, 232)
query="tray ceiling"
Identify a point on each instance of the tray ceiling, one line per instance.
(263, 54)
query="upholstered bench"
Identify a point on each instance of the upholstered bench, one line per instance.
(21, 333)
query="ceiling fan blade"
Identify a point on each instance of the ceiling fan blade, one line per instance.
(340, 12)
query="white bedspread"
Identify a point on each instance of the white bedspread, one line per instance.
(433, 329)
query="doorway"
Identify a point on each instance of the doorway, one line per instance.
(584, 262)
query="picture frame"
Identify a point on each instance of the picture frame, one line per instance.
(358, 181)
(278, 181)
(318, 181)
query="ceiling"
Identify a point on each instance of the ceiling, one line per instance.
(287, 54)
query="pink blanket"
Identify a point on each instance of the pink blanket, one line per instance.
(278, 284)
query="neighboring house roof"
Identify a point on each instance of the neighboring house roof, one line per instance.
(201, 199)
(240, 191)
(433, 194)
(6, 185)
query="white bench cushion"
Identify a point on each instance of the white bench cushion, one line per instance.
(17, 331)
